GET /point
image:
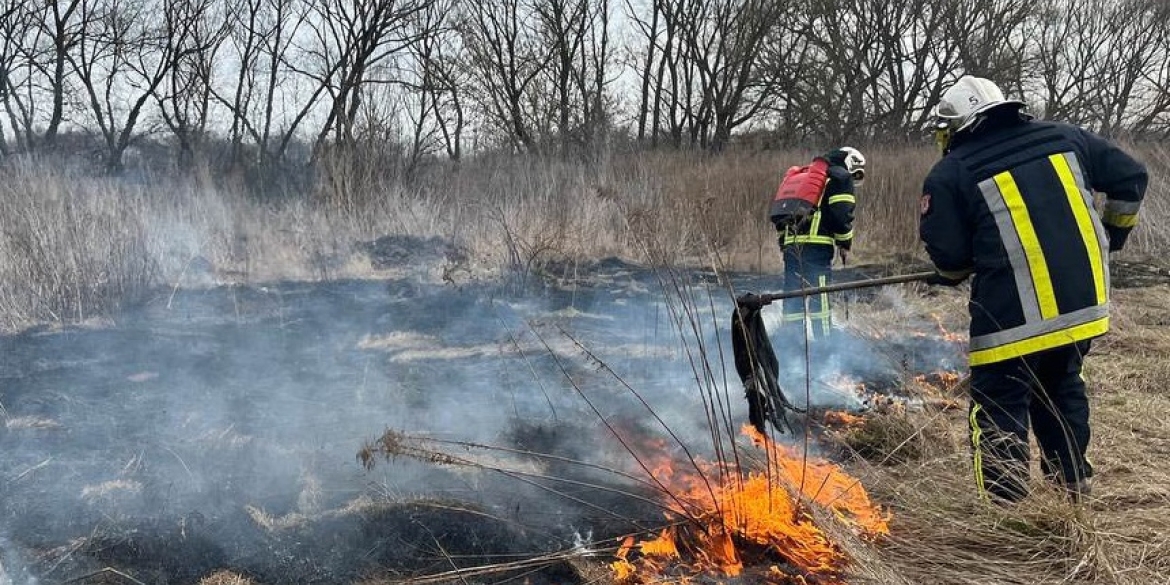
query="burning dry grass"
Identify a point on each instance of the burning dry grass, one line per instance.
(765, 520)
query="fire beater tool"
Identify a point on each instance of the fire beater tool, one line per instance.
(755, 361)
(751, 299)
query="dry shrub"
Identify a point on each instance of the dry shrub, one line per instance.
(888, 200)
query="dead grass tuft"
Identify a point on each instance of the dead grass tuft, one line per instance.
(896, 438)
(226, 578)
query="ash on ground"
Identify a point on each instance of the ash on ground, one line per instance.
(217, 429)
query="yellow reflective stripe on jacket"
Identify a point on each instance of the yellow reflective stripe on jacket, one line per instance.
(1022, 222)
(815, 226)
(808, 240)
(842, 198)
(1078, 175)
(1121, 220)
(843, 237)
(1080, 208)
(1040, 343)
(1122, 214)
(1035, 329)
(1014, 248)
(810, 237)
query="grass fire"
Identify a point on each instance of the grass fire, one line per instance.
(198, 388)
(725, 520)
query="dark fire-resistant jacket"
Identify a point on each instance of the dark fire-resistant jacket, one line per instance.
(832, 222)
(1013, 202)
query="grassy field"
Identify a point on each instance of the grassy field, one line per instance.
(75, 247)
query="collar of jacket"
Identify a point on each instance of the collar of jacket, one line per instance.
(1008, 114)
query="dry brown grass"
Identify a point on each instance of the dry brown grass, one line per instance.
(942, 533)
(74, 246)
(226, 578)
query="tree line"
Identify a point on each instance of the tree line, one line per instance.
(274, 81)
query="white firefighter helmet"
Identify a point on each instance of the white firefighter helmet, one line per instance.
(854, 163)
(961, 105)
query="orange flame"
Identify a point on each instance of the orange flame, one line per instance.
(840, 418)
(951, 336)
(720, 516)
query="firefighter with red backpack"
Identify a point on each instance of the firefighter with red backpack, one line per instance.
(813, 214)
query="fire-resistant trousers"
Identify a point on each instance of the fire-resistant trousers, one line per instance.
(1045, 390)
(808, 266)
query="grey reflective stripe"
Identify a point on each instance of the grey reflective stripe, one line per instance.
(1126, 207)
(1015, 250)
(1098, 228)
(1033, 329)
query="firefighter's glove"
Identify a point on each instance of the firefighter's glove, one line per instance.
(1116, 237)
(937, 279)
(750, 302)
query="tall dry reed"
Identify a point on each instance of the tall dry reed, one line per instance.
(75, 245)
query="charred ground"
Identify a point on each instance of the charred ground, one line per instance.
(218, 429)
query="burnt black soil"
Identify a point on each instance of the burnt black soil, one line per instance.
(218, 428)
(1128, 274)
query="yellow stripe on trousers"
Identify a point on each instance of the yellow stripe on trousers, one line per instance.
(825, 313)
(1045, 296)
(1080, 210)
(976, 438)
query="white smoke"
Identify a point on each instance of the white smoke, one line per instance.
(15, 573)
(223, 413)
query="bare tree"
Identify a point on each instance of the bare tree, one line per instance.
(728, 52)
(434, 108)
(1129, 58)
(184, 100)
(355, 44)
(1153, 115)
(14, 33)
(503, 52)
(63, 30)
(575, 34)
(36, 40)
(125, 51)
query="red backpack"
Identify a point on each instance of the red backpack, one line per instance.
(799, 193)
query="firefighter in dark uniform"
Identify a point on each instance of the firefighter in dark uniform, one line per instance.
(1012, 203)
(809, 247)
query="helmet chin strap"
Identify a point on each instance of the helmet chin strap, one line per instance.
(942, 137)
